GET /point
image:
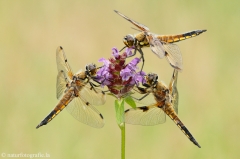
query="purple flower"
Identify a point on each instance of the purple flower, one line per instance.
(115, 52)
(130, 70)
(129, 51)
(119, 76)
(139, 78)
(125, 74)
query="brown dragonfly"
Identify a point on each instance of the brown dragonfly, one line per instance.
(159, 100)
(77, 93)
(161, 45)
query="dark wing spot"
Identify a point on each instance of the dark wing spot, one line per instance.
(144, 109)
(87, 103)
(160, 106)
(61, 47)
(127, 110)
(101, 116)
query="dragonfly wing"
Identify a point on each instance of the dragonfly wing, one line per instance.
(64, 71)
(94, 96)
(140, 26)
(84, 112)
(146, 115)
(156, 46)
(62, 63)
(173, 91)
(61, 84)
(173, 55)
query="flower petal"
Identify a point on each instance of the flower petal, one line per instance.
(129, 51)
(115, 52)
(135, 61)
(139, 77)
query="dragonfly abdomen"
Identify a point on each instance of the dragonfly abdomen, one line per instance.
(66, 99)
(172, 114)
(48, 118)
(179, 37)
(188, 134)
(185, 131)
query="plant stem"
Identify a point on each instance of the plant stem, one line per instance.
(119, 107)
(123, 140)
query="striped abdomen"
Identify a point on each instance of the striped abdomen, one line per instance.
(179, 37)
(66, 99)
(172, 114)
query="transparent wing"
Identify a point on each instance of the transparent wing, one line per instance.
(140, 26)
(62, 80)
(85, 113)
(173, 91)
(138, 98)
(94, 97)
(155, 45)
(64, 71)
(146, 115)
(173, 55)
(62, 63)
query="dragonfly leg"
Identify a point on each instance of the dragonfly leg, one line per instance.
(92, 87)
(96, 80)
(123, 48)
(134, 53)
(141, 90)
(100, 67)
(142, 57)
(139, 99)
(95, 85)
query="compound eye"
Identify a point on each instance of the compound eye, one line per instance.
(91, 67)
(130, 38)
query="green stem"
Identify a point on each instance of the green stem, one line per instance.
(119, 107)
(123, 140)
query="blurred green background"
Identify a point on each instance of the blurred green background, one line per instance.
(30, 32)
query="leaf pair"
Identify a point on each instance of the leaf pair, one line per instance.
(119, 108)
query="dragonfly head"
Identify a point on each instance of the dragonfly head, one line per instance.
(91, 69)
(129, 40)
(151, 78)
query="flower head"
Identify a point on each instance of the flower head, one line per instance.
(119, 76)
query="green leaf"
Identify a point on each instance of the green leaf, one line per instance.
(119, 107)
(130, 101)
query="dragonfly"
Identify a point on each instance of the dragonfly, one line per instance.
(161, 45)
(159, 100)
(77, 93)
